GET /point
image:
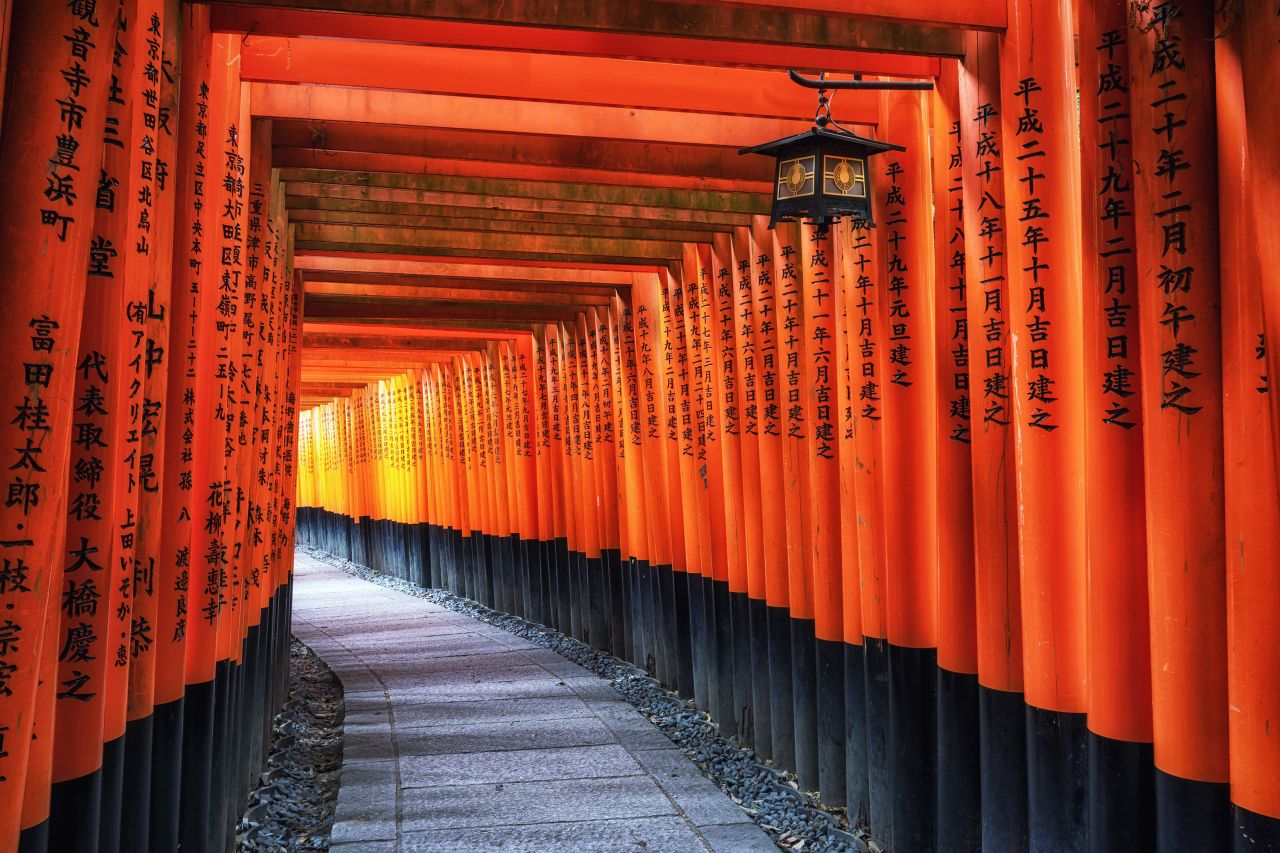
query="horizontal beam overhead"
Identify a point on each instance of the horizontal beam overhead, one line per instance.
(490, 189)
(425, 295)
(413, 109)
(310, 264)
(969, 14)
(664, 31)
(524, 149)
(414, 330)
(357, 161)
(302, 207)
(496, 286)
(328, 308)
(383, 238)
(375, 199)
(539, 77)
(486, 224)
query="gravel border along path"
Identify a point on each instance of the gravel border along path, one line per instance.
(292, 809)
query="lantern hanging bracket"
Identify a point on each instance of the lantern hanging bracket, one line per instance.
(822, 83)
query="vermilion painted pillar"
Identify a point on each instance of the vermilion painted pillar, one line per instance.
(847, 382)
(866, 397)
(1175, 223)
(207, 690)
(905, 240)
(1252, 502)
(997, 580)
(723, 535)
(691, 378)
(148, 648)
(680, 510)
(794, 425)
(1041, 178)
(55, 100)
(822, 301)
(770, 396)
(959, 800)
(92, 642)
(732, 608)
(1121, 786)
(749, 396)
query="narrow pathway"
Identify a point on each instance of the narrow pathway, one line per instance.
(462, 737)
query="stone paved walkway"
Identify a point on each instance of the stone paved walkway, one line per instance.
(462, 737)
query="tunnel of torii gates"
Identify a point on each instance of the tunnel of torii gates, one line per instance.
(969, 518)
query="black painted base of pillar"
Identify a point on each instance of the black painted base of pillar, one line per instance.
(855, 735)
(135, 819)
(829, 665)
(1192, 815)
(1255, 833)
(959, 806)
(1122, 795)
(761, 679)
(1001, 715)
(782, 708)
(1057, 781)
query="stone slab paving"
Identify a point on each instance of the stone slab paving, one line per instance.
(462, 737)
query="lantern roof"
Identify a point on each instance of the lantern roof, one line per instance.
(872, 146)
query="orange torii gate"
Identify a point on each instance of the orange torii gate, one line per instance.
(968, 518)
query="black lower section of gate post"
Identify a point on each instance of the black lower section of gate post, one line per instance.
(711, 644)
(829, 664)
(197, 764)
(112, 795)
(1001, 715)
(804, 699)
(564, 621)
(520, 559)
(743, 676)
(879, 792)
(665, 617)
(596, 605)
(855, 735)
(35, 839)
(913, 749)
(135, 818)
(1255, 833)
(223, 733)
(697, 619)
(685, 650)
(722, 686)
(75, 814)
(959, 799)
(762, 687)
(1057, 780)
(640, 628)
(1192, 815)
(166, 775)
(780, 679)
(617, 625)
(1122, 795)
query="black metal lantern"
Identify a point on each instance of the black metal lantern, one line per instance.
(822, 174)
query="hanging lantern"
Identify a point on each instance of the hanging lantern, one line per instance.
(822, 174)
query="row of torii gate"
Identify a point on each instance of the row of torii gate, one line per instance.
(970, 518)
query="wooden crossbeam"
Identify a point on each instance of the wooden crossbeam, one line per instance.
(666, 31)
(539, 77)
